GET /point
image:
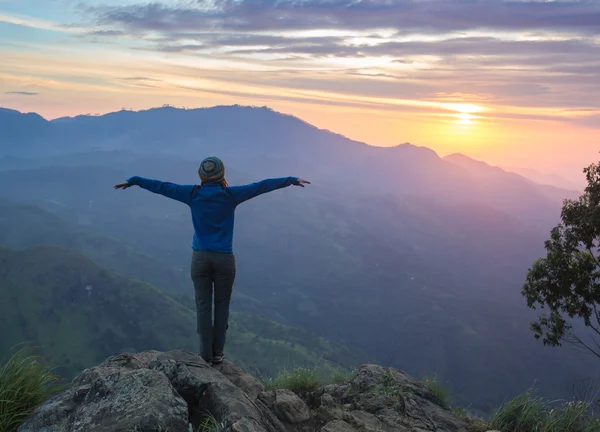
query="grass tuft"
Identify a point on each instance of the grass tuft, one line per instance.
(434, 387)
(300, 380)
(25, 382)
(209, 424)
(529, 413)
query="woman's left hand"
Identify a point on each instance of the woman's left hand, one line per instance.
(300, 182)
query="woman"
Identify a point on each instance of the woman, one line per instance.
(212, 205)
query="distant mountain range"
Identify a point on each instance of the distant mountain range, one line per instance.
(261, 141)
(414, 259)
(548, 178)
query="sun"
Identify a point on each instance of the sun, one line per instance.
(465, 119)
(465, 108)
(465, 114)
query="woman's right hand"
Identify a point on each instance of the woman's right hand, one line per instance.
(123, 185)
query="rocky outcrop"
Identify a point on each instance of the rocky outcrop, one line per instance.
(151, 392)
(382, 399)
(154, 391)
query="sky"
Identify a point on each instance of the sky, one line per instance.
(515, 83)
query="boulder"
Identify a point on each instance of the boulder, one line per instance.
(286, 405)
(113, 399)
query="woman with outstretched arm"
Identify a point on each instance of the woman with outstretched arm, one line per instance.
(212, 205)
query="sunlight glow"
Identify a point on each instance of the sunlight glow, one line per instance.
(465, 119)
(465, 108)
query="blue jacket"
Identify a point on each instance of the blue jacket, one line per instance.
(212, 207)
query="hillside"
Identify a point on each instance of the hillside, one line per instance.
(79, 313)
(24, 226)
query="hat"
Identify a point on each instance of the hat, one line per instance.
(211, 169)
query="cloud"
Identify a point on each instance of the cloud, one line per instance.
(140, 78)
(386, 54)
(592, 121)
(106, 33)
(26, 21)
(402, 15)
(22, 93)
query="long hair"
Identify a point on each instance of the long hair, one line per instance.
(222, 182)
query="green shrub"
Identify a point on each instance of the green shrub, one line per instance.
(340, 375)
(300, 380)
(25, 382)
(434, 387)
(529, 413)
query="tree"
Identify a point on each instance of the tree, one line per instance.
(567, 281)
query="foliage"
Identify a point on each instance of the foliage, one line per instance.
(530, 413)
(387, 386)
(209, 424)
(433, 385)
(567, 280)
(300, 380)
(340, 375)
(26, 381)
(475, 424)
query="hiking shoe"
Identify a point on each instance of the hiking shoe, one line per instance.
(218, 359)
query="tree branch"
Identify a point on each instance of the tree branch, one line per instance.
(597, 318)
(589, 249)
(573, 339)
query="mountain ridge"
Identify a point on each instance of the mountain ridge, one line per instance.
(271, 142)
(404, 148)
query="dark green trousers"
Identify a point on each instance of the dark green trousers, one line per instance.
(212, 272)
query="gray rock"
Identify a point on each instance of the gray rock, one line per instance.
(113, 399)
(286, 405)
(269, 417)
(207, 390)
(139, 360)
(382, 399)
(337, 426)
(245, 425)
(366, 421)
(247, 383)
